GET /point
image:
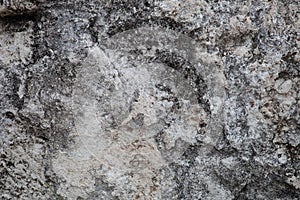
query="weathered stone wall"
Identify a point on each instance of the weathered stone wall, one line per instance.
(157, 99)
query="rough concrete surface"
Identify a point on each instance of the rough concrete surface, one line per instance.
(149, 99)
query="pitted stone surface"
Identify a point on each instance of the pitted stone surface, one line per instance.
(156, 99)
(121, 104)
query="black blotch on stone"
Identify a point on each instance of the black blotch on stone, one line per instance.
(9, 115)
(18, 22)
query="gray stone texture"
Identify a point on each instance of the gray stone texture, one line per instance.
(149, 99)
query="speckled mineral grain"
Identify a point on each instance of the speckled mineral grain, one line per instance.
(157, 99)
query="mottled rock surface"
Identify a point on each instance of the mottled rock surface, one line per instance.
(157, 99)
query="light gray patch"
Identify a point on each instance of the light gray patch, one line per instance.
(116, 128)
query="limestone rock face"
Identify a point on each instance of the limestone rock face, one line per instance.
(149, 100)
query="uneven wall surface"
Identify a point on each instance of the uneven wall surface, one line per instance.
(157, 99)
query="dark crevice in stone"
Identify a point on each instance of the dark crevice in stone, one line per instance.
(93, 29)
(18, 19)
